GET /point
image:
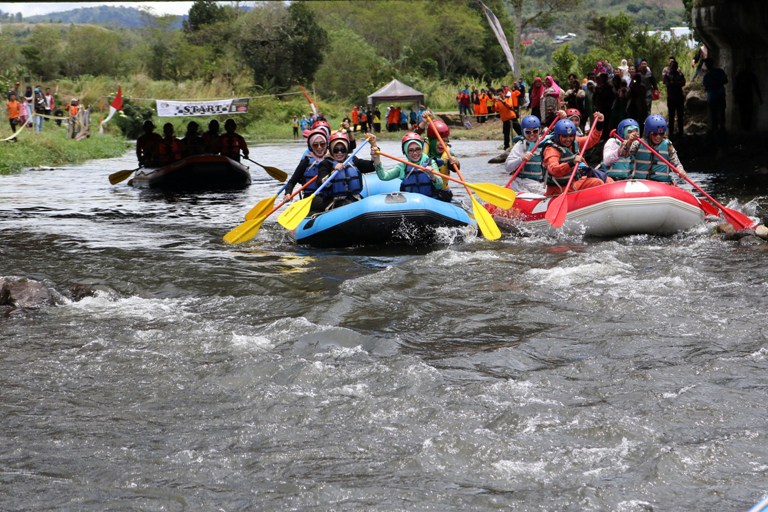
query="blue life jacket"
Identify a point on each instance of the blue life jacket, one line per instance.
(533, 168)
(309, 173)
(648, 166)
(622, 168)
(347, 181)
(418, 181)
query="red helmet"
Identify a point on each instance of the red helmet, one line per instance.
(323, 124)
(442, 129)
(338, 136)
(411, 137)
(569, 112)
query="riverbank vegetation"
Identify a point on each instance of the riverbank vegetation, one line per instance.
(51, 148)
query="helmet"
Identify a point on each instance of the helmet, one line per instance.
(193, 127)
(621, 129)
(655, 123)
(315, 135)
(411, 137)
(529, 122)
(230, 123)
(322, 123)
(338, 136)
(442, 129)
(569, 112)
(565, 127)
(148, 125)
(213, 125)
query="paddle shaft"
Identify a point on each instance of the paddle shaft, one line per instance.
(557, 210)
(522, 164)
(417, 166)
(291, 196)
(445, 148)
(726, 211)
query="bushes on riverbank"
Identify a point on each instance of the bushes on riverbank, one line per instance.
(51, 148)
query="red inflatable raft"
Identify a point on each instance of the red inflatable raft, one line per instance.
(614, 209)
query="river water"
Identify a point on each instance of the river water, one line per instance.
(533, 373)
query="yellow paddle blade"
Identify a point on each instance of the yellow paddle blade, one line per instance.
(294, 214)
(244, 231)
(485, 222)
(261, 208)
(276, 173)
(495, 194)
(117, 177)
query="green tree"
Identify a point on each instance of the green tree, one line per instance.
(202, 13)
(281, 45)
(349, 55)
(44, 51)
(91, 50)
(564, 62)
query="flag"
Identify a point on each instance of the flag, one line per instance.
(117, 104)
(493, 21)
(311, 103)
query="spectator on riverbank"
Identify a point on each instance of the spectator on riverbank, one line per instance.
(745, 87)
(675, 81)
(13, 108)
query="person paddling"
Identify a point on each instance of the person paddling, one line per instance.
(148, 144)
(561, 153)
(308, 168)
(347, 184)
(232, 143)
(531, 178)
(414, 179)
(647, 165)
(441, 155)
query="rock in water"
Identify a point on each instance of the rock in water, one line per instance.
(24, 293)
(499, 159)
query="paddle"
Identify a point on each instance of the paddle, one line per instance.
(262, 206)
(294, 214)
(117, 177)
(558, 207)
(736, 219)
(488, 192)
(522, 164)
(485, 222)
(249, 228)
(276, 173)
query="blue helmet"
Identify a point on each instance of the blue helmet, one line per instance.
(530, 122)
(655, 123)
(565, 127)
(621, 129)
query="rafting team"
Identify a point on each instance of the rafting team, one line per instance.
(328, 151)
(155, 150)
(541, 162)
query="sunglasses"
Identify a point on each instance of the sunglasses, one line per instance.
(319, 144)
(533, 131)
(339, 149)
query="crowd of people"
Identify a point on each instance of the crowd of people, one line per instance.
(155, 150)
(35, 105)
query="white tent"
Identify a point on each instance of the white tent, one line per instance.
(396, 91)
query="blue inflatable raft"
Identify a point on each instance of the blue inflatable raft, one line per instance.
(384, 216)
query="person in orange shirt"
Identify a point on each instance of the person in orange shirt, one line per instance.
(482, 107)
(562, 152)
(74, 123)
(355, 115)
(504, 105)
(14, 112)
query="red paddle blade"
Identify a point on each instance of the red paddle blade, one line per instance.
(709, 208)
(557, 210)
(737, 219)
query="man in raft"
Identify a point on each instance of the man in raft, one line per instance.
(646, 165)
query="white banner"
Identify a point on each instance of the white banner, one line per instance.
(493, 21)
(169, 108)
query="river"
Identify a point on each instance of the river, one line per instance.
(533, 373)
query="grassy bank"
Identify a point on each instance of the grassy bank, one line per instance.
(51, 148)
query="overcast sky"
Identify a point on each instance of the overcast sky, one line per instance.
(35, 8)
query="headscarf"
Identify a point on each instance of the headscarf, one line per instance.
(552, 90)
(537, 90)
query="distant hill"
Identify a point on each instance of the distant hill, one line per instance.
(104, 15)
